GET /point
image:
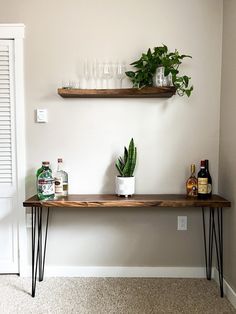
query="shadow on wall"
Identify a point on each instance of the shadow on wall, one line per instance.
(30, 182)
(108, 184)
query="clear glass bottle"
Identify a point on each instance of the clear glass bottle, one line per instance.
(61, 180)
(45, 183)
(191, 184)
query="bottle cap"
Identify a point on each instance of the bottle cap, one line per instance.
(45, 163)
(192, 168)
(202, 163)
(59, 160)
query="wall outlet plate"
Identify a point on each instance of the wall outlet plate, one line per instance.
(182, 223)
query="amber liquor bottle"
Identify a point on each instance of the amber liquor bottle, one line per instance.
(191, 184)
(202, 180)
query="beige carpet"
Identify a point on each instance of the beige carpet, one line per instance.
(111, 295)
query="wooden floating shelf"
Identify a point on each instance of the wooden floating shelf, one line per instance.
(146, 92)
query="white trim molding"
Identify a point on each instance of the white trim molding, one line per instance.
(228, 291)
(129, 272)
(12, 31)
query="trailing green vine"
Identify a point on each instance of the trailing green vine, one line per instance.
(160, 56)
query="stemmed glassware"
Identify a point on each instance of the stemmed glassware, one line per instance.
(95, 74)
(107, 73)
(120, 73)
(99, 75)
(87, 73)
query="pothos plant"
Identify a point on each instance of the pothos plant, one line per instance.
(160, 56)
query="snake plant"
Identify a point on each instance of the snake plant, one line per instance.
(126, 164)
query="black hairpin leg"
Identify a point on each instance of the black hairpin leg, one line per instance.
(212, 231)
(219, 248)
(208, 246)
(38, 253)
(34, 214)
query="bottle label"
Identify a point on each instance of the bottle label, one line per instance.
(58, 186)
(192, 186)
(65, 187)
(46, 186)
(202, 185)
(209, 188)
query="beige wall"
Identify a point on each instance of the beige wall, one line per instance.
(88, 134)
(227, 166)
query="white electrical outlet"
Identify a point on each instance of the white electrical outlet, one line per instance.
(28, 220)
(182, 223)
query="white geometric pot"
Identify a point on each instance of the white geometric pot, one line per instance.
(125, 186)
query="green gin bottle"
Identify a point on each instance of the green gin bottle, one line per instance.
(45, 182)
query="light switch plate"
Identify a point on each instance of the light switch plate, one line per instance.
(41, 115)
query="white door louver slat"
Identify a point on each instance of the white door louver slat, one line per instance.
(5, 117)
(4, 78)
(4, 158)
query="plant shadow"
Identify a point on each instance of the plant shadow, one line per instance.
(108, 185)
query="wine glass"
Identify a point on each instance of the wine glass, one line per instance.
(87, 73)
(120, 73)
(100, 75)
(107, 73)
(95, 74)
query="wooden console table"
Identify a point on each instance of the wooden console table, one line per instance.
(212, 232)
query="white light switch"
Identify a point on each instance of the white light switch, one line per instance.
(41, 115)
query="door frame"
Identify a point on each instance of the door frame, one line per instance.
(16, 32)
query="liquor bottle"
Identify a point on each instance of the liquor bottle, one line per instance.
(45, 164)
(45, 183)
(191, 184)
(61, 180)
(202, 180)
(209, 188)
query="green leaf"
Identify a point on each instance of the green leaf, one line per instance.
(133, 163)
(121, 162)
(149, 53)
(128, 164)
(185, 56)
(188, 92)
(186, 80)
(125, 155)
(118, 168)
(130, 74)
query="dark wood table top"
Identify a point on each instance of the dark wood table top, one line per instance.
(137, 200)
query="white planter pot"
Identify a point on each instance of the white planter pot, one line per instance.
(125, 186)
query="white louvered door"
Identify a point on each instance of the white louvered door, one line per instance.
(8, 210)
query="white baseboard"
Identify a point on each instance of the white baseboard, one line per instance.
(90, 271)
(228, 291)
